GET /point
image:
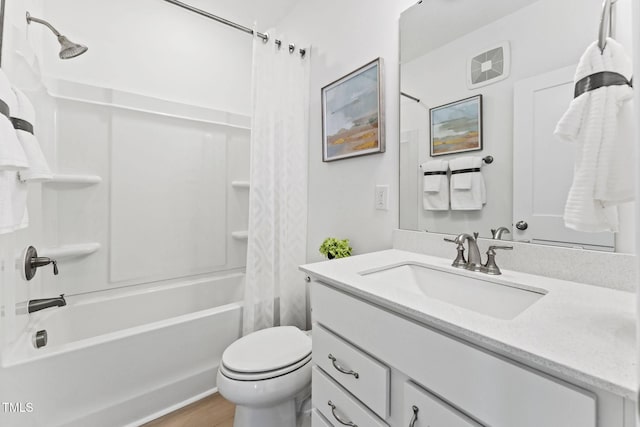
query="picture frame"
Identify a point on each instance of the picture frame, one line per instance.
(456, 127)
(352, 114)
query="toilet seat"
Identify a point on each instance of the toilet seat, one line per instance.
(259, 376)
(265, 354)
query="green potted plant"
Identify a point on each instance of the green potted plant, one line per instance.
(335, 248)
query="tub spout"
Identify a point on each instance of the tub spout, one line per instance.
(41, 304)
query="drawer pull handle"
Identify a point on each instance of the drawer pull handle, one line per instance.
(414, 419)
(340, 420)
(341, 369)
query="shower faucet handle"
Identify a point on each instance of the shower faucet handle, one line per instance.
(32, 262)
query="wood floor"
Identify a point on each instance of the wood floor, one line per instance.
(212, 411)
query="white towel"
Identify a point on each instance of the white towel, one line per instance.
(38, 167)
(12, 156)
(13, 202)
(600, 122)
(468, 191)
(435, 188)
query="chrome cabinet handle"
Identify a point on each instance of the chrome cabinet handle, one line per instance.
(414, 419)
(522, 225)
(341, 369)
(340, 420)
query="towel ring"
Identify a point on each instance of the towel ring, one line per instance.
(606, 26)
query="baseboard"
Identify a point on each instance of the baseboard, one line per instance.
(154, 403)
(173, 408)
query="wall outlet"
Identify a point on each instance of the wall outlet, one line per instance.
(382, 197)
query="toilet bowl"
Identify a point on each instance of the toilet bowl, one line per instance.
(267, 375)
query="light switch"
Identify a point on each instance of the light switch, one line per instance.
(382, 197)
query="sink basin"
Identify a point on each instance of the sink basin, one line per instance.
(473, 291)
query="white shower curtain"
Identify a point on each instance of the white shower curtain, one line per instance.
(275, 288)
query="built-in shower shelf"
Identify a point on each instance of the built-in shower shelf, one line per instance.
(240, 235)
(69, 251)
(69, 179)
(240, 184)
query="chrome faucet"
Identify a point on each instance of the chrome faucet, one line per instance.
(497, 233)
(475, 260)
(41, 304)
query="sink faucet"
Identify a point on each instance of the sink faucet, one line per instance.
(498, 232)
(41, 304)
(475, 260)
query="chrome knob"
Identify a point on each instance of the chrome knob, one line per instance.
(32, 262)
(522, 225)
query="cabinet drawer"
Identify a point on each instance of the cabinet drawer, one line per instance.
(490, 388)
(326, 392)
(364, 377)
(430, 411)
(318, 420)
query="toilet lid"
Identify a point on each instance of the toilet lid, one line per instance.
(267, 350)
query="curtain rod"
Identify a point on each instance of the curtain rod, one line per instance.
(413, 98)
(264, 37)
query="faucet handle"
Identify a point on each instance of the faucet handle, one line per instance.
(460, 261)
(32, 262)
(492, 249)
(491, 267)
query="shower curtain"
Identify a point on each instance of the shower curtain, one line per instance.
(275, 288)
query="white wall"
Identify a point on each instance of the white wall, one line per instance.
(345, 36)
(154, 48)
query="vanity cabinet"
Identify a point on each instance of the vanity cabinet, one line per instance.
(376, 368)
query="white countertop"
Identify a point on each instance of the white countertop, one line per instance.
(578, 331)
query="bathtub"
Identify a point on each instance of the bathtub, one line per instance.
(124, 358)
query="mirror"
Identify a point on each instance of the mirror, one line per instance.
(518, 57)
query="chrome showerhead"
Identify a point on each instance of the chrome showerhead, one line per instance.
(68, 49)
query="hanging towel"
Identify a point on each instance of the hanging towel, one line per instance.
(468, 191)
(12, 156)
(13, 202)
(24, 122)
(600, 123)
(435, 185)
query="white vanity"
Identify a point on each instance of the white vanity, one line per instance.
(404, 339)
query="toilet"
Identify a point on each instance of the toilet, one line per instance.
(267, 375)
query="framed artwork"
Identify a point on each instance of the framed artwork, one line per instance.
(456, 127)
(352, 121)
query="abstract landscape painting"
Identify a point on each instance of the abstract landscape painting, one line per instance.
(352, 125)
(457, 127)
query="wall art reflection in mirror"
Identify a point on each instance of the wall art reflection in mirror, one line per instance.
(352, 121)
(456, 127)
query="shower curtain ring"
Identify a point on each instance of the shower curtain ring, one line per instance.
(278, 43)
(303, 52)
(292, 47)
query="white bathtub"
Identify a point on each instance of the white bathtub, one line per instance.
(123, 359)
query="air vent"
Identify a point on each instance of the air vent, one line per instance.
(489, 67)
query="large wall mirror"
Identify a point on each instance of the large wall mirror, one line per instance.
(520, 56)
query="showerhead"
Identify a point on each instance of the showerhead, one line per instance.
(68, 49)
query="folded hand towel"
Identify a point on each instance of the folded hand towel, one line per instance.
(12, 156)
(24, 122)
(468, 191)
(600, 123)
(435, 194)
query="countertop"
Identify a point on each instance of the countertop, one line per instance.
(578, 331)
